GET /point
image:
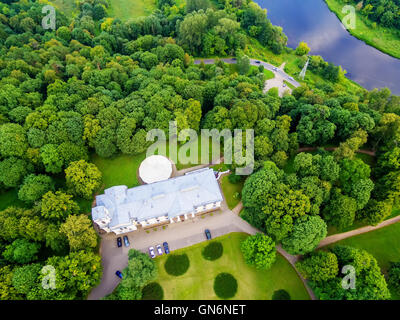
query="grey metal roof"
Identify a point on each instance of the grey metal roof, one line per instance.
(172, 197)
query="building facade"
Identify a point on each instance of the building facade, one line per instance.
(121, 210)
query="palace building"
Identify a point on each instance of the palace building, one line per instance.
(122, 210)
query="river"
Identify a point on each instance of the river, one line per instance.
(312, 21)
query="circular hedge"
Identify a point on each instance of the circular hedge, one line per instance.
(177, 264)
(225, 285)
(152, 291)
(281, 295)
(212, 251)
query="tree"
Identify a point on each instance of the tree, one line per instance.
(51, 159)
(377, 211)
(141, 269)
(76, 274)
(259, 250)
(13, 140)
(319, 266)
(25, 278)
(58, 206)
(80, 232)
(243, 64)
(394, 276)
(34, 187)
(21, 251)
(307, 232)
(7, 290)
(83, 178)
(302, 49)
(13, 170)
(340, 211)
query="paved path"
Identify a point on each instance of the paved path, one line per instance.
(340, 236)
(364, 151)
(280, 74)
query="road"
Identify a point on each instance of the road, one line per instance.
(278, 72)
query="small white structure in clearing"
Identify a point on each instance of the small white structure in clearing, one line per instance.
(155, 168)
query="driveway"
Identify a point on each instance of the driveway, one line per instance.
(178, 235)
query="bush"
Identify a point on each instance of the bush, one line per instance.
(212, 251)
(152, 291)
(281, 295)
(177, 264)
(225, 285)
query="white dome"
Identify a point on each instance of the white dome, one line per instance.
(155, 168)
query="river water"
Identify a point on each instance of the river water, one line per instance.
(312, 21)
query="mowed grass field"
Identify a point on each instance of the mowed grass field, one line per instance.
(127, 9)
(383, 244)
(119, 170)
(197, 283)
(229, 190)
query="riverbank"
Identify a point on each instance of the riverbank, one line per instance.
(384, 39)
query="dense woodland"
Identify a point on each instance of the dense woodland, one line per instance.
(96, 85)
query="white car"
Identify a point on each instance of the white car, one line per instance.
(159, 250)
(151, 252)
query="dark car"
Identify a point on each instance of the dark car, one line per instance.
(208, 234)
(234, 59)
(119, 242)
(119, 274)
(126, 241)
(258, 61)
(166, 248)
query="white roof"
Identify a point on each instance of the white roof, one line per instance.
(155, 168)
(170, 198)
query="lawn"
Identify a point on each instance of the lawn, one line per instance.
(383, 244)
(119, 170)
(229, 189)
(197, 283)
(384, 39)
(127, 9)
(181, 164)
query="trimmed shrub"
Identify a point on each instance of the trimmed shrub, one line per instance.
(281, 295)
(152, 291)
(225, 285)
(212, 251)
(177, 264)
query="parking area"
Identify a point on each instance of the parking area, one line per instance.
(178, 235)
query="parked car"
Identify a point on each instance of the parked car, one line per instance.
(119, 242)
(208, 234)
(119, 274)
(291, 78)
(159, 250)
(258, 61)
(284, 84)
(166, 248)
(275, 68)
(151, 252)
(126, 241)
